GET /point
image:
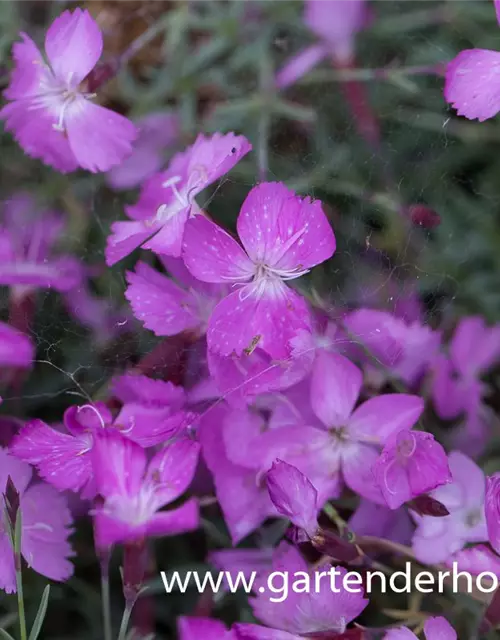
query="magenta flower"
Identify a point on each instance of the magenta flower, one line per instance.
(348, 440)
(168, 198)
(457, 385)
(134, 492)
(16, 349)
(412, 463)
(156, 131)
(472, 86)
(241, 491)
(437, 628)
(335, 23)
(49, 110)
(492, 510)
(63, 458)
(283, 237)
(206, 628)
(46, 526)
(167, 307)
(436, 539)
(407, 348)
(27, 237)
(308, 614)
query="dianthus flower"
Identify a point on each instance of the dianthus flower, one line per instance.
(46, 525)
(303, 614)
(472, 83)
(50, 110)
(436, 539)
(335, 23)
(134, 492)
(283, 237)
(16, 349)
(436, 628)
(206, 628)
(167, 199)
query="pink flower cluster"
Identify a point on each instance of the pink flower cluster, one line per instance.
(277, 400)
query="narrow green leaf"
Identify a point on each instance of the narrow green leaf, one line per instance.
(40, 616)
(5, 635)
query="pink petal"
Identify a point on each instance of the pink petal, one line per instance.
(473, 84)
(158, 303)
(438, 628)
(256, 632)
(447, 395)
(206, 628)
(492, 510)
(149, 426)
(175, 466)
(476, 560)
(300, 65)
(73, 45)
(98, 137)
(35, 133)
(168, 241)
(293, 495)
(16, 349)
(357, 464)
(19, 472)
(29, 70)
(59, 457)
(118, 464)
(240, 378)
(7, 567)
(125, 237)
(46, 527)
(335, 387)
(474, 346)
(401, 633)
(215, 155)
(87, 418)
(282, 230)
(170, 523)
(469, 477)
(149, 391)
(243, 321)
(384, 415)
(212, 255)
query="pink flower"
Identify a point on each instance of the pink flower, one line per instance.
(16, 349)
(412, 463)
(46, 526)
(64, 458)
(168, 198)
(27, 237)
(407, 348)
(492, 510)
(156, 131)
(167, 307)
(283, 237)
(437, 628)
(241, 491)
(335, 23)
(49, 111)
(436, 539)
(311, 613)
(206, 628)
(472, 84)
(348, 440)
(134, 492)
(457, 385)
